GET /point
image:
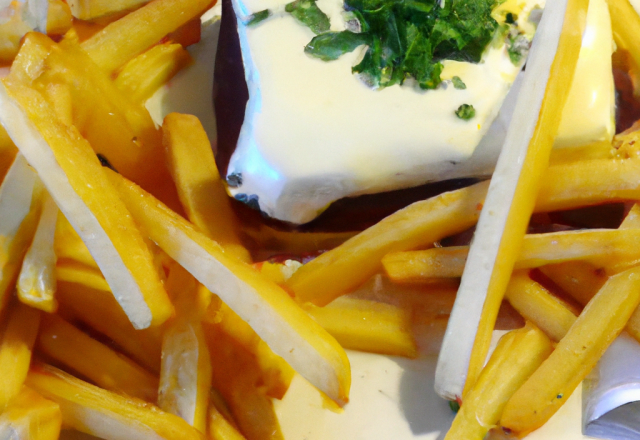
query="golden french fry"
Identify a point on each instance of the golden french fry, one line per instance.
(518, 354)
(8, 152)
(70, 271)
(566, 186)
(581, 280)
(185, 373)
(365, 325)
(31, 417)
(74, 177)
(11, 32)
(200, 187)
(100, 311)
(624, 19)
(219, 427)
(15, 350)
(150, 70)
(92, 359)
(20, 206)
(59, 97)
(271, 312)
(239, 380)
(617, 250)
(575, 355)
(59, 18)
(36, 281)
(538, 305)
(105, 414)
(127, 37)
(92, 9)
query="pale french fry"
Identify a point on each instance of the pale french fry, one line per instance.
(92, 9)
(105, 414)
(37, 282)
(100, 311)
(20, 205)
(518, 354)
(30, 417)
(511, 198)
(75, 179)
(575, 355)
(15, 350)
(69, 246)
(616, 250)
(365, 325)
(150, 70)
(127, 37)
(270, 311)
(419, 225)
(92, 359)
(185, 373)
(200, 188)
(59, 18)
(538, 305)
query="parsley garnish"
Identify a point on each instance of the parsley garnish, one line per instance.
(258, 17)
(455, 406)
(458, 83)
(466, 112)
(330, 45)
(517, 45)
(410, 38)
(308, 13)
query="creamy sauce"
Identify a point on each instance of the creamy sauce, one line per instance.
(314, 133)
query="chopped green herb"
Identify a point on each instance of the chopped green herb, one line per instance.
(466, 112)
(455, 406)
(258, 17)
(331, 45)
(510, 18)
(458, 83)
(308, 13)
(410, 38)
(517, 45)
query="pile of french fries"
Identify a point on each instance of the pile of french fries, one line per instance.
(136, 303)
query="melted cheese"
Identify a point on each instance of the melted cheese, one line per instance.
(314, 133)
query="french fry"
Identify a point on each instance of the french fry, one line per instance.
(8, 152)
(127, 37)
(239, 380)
(73, 272)
(69, 246)
(185, 374)
(20, 205)
(365, 325)
(623, 19)
(511, 197)
(270, 311)
(419, 225)
(92, 359)
(538, 305)
(11, 32)
(200, 188)
(31, 416)
(37, 282)
(75, 179)
(276, 374)
(616, 250)
(100, 311)
(59, 97)
(92, 9)
(59, 18)
(102, 413)
(15, 350)
(575, 355)
(150, 70)
(518, 354)
(581, 280)
(219, 427)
